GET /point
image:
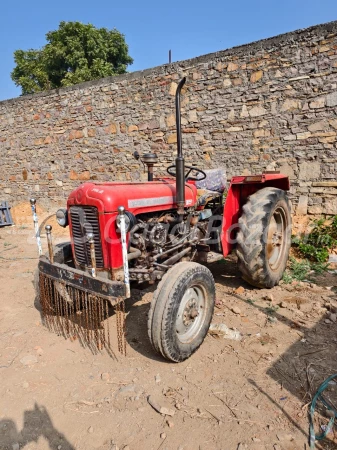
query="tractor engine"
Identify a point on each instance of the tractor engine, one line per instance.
(160, 240)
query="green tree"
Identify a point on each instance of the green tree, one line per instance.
(74, 53)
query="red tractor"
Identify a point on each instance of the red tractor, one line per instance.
(125, 233)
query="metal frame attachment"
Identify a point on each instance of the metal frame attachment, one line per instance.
(36, 225)
(121, 212)
(91, 240)
(48, 229)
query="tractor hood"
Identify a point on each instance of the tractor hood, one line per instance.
(135, 197)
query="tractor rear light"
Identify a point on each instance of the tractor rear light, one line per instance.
(253, 179)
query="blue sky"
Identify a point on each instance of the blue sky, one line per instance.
(189, 28)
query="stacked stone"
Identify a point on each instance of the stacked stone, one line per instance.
(267, 105)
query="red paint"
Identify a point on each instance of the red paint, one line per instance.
(237, 196)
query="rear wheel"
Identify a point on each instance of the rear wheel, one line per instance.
(181, 311)
(264, 239)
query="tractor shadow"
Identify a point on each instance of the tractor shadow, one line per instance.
(137, 310)
(37, 423)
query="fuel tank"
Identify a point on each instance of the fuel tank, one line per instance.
(158, 195)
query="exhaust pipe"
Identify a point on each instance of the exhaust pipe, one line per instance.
(180, 162)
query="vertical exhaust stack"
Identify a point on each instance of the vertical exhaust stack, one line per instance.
(180, 162)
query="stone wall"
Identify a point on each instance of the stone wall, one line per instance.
(267, 105)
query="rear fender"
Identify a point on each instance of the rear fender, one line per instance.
(239, 190)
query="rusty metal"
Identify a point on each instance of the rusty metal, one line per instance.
(85, 318)
(120, 322)
(111, 290)
(48, 229)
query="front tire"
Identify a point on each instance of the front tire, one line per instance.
(181, 311)
(264, 239)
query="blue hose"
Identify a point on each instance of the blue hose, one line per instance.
(320, 390)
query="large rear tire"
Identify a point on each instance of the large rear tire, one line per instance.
(264, 238)
(181, 311)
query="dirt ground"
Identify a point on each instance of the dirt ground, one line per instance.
(231, 394)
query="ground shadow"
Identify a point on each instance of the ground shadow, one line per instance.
(305, 364)
(37, 423)
(303, 368)
(136, 323)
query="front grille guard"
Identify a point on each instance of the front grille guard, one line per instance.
(79, 314)
(84, 220)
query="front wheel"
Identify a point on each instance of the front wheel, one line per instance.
(264, 238)
(181, 311)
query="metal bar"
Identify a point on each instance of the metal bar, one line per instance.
(121, 211)
(180, 163)
(8, 218)
(48, 229)
(36, 225)
(150, 172)
(91, 241)
(175, 258)
(134, 253)
(111, 290)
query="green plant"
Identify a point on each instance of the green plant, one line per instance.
(287, 278)
(297, 270)
(320, 267)
(251, 301)
(270, 310)
(316, 245)
(300, 270)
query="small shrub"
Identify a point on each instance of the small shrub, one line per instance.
(315, 246)
(271, 310)
(300, 270)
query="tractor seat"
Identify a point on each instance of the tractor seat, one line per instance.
(215, 180)
(211, 187)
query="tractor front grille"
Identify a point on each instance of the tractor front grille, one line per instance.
(84, 220)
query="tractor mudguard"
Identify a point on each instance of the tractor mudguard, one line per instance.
(240, 189)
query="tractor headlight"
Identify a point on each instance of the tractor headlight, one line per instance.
(62, 217)
(130, 221)
(127, 223)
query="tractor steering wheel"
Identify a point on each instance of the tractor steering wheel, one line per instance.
(171, 171)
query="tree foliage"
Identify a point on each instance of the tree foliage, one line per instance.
(74, 53)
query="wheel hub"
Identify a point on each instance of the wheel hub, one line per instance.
(191, 314)
(276, 238)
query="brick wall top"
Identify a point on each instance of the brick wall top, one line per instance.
(290, 38)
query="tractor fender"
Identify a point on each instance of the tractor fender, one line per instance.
(241, 187)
